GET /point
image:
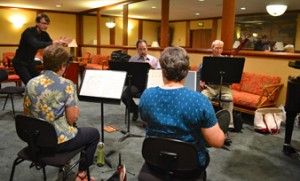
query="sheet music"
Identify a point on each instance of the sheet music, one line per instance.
(103, 84)
(155, 79)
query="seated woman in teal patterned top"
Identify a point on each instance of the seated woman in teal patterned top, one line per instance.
(173, 111)
(53, 98)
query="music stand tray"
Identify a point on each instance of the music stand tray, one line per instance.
(137, 75)
(222, 70)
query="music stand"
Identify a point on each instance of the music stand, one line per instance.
(102, 86)
(222, 70)
(137, 73)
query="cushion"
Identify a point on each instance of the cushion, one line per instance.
(244, 99)
(253, 82)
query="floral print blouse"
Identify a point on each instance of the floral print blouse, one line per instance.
(47, 96)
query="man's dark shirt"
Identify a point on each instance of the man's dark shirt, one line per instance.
(31, 41)
(259, 46)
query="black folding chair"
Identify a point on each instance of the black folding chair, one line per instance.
(171, 159)
(10, 91)
(41, 138)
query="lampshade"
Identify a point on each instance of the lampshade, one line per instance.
(276, 9)
(236, 44)
(110, 24)
(72, 43)
(155, 44)
(278, 46)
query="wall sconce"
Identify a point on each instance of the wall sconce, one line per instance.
(155, 44)
(17, 20)
(72, 46)
(276, 9)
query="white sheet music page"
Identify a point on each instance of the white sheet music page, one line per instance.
(103, 83)
(154, 78)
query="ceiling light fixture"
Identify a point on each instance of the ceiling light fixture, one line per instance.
(276, 9)
(110, 24)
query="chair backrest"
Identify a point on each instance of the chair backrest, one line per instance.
(171, 156)
(86, 57)
(99, 59)
(38, 133)
(3, 75)
(223, 117)
(6, 57)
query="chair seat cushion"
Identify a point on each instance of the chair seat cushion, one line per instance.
(52, 159)
(12, 90)
(13, 77)
(245, 99)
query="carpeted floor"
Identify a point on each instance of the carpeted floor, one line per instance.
(252, 156)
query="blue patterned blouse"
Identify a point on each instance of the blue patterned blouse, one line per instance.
(47, 96)
(177, 113)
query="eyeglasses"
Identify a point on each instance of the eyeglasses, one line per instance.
(44, 23)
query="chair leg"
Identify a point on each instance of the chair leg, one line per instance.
(44, 173)
(12, 104)
(16, 162)
(5, 101)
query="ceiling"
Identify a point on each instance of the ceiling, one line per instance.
(179, 9)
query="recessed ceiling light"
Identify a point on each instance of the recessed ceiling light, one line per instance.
(58, 5)
(243, 8)
(201, 0)
(153, 7)
(197, 14)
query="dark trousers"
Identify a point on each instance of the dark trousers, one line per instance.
(25, 70)
(86, 136)
(127, 97)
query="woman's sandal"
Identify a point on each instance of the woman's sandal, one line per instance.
(85, 178)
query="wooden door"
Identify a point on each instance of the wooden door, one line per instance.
(201, 38)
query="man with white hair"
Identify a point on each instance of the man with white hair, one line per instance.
(212, 90)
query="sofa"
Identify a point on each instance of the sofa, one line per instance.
(255, 91)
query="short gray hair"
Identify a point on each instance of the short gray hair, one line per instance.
(174, 63)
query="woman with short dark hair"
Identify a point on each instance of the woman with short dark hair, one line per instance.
(174, 111)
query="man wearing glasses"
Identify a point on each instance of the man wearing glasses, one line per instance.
(134, 90)
(33, 39)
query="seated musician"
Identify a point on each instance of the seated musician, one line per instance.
(212, 90)
(174, 111)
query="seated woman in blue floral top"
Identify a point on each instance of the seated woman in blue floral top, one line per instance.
(174, 111)
(53, 98)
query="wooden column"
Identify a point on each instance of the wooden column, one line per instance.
(125, 25)
(140, 31)
(228, 18)
(164, 30)
(112, 35)
(98, 32)
(187, 34)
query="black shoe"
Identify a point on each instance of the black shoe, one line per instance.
(288, 149)
(135, 115)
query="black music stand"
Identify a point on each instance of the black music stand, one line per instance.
(222, 70)
(137, 73)
(102, 86)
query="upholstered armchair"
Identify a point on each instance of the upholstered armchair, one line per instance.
(7, 58)
(99, 62)
(84, 60)
(7, 65)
